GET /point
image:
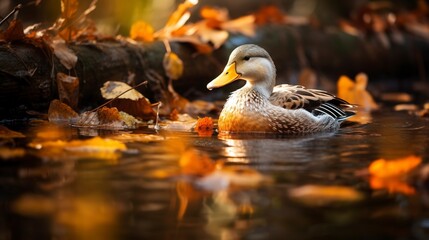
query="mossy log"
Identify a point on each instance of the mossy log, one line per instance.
(27, 71)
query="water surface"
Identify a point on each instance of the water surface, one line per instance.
(139, 194)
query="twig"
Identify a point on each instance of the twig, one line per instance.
(111, 100)
(14, 10)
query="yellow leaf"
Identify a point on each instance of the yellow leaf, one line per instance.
(393, 168)
(95, 144)
(314, 195)
(112, 89)
(142, 31)
(173, 65)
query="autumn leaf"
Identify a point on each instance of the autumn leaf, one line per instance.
(66, 56)
(68, 89)
(69, 8)
(173, 65)
(59, 112)
(127, 100)
(7, 133)
(109, 118)
(204, 126)
(14, 32)
(116, 89)
(392, 185)
(142, 31)
(269, 14)
(180, 16)
(316, 195)
(383, 168)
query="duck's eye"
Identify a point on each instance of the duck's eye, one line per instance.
(246, 58)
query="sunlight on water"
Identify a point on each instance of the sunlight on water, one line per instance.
(220, 187)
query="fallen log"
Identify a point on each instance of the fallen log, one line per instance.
(27, 71)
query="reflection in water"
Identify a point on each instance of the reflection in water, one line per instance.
(144, 194)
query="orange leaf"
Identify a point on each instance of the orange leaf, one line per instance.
(204, 126)
(173, 65)
(15, 31)
(69, 8)
(269, 14)
(393, 168)
(60, 112)
(142, 31)
(179, 17)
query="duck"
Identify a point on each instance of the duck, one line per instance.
(261, 107)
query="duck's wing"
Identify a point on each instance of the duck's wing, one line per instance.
(313, 100)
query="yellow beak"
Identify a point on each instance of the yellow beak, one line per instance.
(228, 75)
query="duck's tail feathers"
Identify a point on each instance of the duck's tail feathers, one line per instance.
(334, 111)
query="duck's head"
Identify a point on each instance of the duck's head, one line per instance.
(251, 63)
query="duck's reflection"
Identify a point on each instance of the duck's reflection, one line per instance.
(245, 149)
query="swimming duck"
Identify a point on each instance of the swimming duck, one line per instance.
(259, 106)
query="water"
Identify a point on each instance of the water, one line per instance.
(140, 194)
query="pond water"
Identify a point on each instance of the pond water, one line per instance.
(140, 193)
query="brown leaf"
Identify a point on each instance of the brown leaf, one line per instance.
(108, 115)
(141, 108)
(61, 112)
(14, 32)
(66, 56)
(68, 89)
(69, 8)
(269, 14)
(7, 133)
(173, 65)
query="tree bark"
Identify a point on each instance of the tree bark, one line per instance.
(28, 71)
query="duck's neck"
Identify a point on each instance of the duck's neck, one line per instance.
(264, 86)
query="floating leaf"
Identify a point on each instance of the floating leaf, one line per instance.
(129, 100)
(142, 31)
(59, 112)
(68, 89)
(393, 168)
(204, 126)
(315, 195)
(173, 65)
(107, 118)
